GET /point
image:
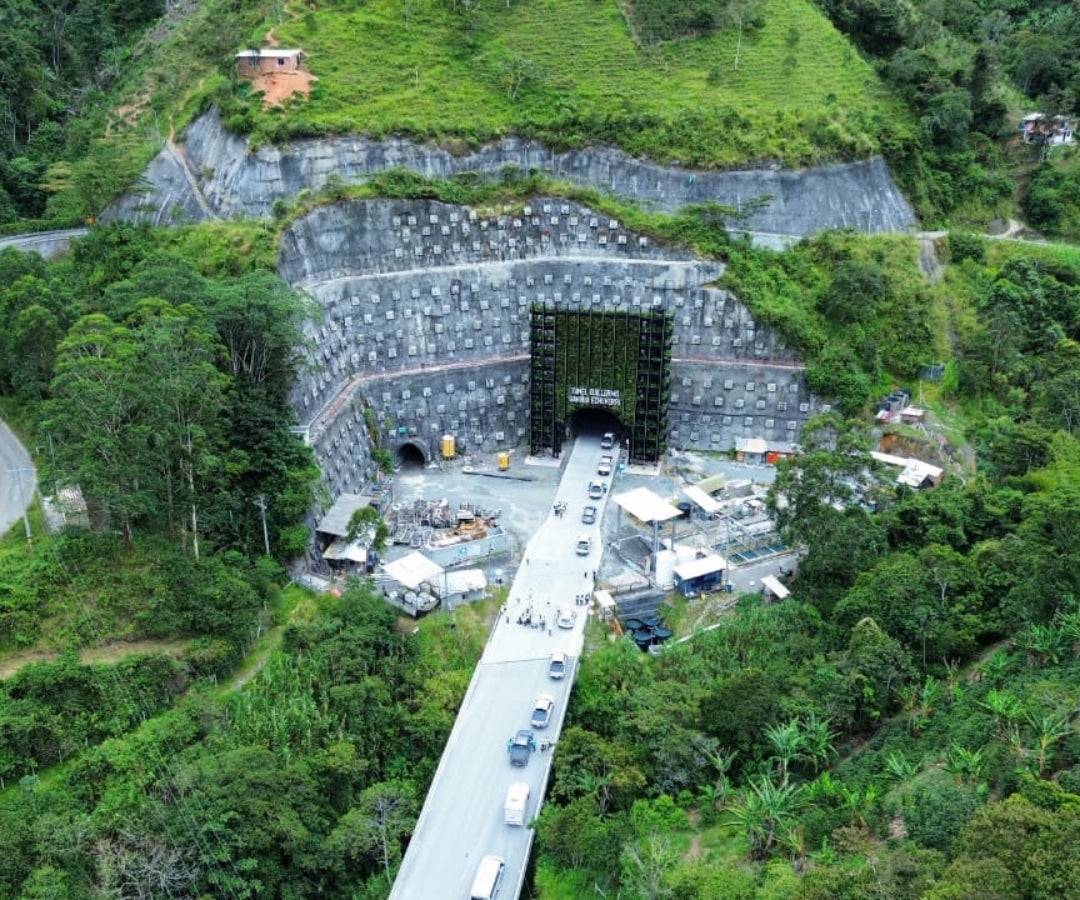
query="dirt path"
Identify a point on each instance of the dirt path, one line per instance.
(106, 653)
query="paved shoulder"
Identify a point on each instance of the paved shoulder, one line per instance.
(18, 479)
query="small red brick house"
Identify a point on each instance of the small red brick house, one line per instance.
(267, 61)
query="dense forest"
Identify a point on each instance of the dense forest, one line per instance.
(905, 725)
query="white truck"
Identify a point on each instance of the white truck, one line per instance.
(517, 803)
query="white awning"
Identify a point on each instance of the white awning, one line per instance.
(695, 568)
(604, 599)
(347, 551)
(463, 581)
(774, 585)
(751, 445)
(643, 504)
(698, 496)
(413, 570)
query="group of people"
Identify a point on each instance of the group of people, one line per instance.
(529, 620)
(560, 508)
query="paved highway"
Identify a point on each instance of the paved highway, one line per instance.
(462, 818)
(18, 479)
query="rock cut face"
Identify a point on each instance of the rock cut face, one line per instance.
(425, 322)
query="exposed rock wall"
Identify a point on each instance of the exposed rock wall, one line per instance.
(234, 180)
(425, 322)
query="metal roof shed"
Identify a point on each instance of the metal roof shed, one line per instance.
(646, 506)
(704, 565)
(336, 520)
(775, 587)
(703, 500)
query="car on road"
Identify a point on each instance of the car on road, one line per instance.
(584, 544)
(567, 617)
(542, 709)
(557, 665)
(588, 515)
(604, 467)
(596, 490)
(521, 746)
(608, 440)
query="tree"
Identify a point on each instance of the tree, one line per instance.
(766, 811)
(378, 824)
(101, 443)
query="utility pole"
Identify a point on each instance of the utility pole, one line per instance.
(261, 503)
(22, 499)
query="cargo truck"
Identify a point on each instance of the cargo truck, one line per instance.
(517, 803)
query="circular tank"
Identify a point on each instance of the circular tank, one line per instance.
(665, 568)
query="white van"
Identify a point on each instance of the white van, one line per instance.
(517, 803)
(489, 874)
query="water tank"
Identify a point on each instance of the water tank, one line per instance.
(447, 446)
(665, 568)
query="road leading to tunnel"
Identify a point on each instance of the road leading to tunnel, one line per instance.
(462, 818)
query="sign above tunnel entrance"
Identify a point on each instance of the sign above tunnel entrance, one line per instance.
(617, 361)
(582, 396)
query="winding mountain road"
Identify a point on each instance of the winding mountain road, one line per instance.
(18, 479)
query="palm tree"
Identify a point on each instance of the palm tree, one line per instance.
(920, 704)
(1050, 730)
(963, 764)
(995, 667)
(766, 811)
(1042, 643)
(899, 768)
(596, 785)
(1005, 708)
(817, 739)
(722, 760)
(787, 740)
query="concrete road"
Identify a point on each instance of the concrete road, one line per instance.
(462, 818)
(18, 479)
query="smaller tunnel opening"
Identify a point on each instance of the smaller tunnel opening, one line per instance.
(410, 456)
(593, 422)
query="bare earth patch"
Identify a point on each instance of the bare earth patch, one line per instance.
(277, 87)
(106, 653)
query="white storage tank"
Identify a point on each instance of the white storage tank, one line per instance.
(665, 568)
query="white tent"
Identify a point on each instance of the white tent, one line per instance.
(413, 570)
(464, 581)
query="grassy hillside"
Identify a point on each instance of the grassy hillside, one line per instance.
(568, 71)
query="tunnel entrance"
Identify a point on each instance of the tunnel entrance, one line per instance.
(410, 456)
(602, 370)
(593, 422)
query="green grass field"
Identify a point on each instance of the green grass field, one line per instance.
(569, 72)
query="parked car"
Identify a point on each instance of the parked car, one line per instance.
(588, 515)
(521, 746)
(596, 490)
(567, 617)
(542, 709)
(584, 544)
(557, 665)
(608, 440)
